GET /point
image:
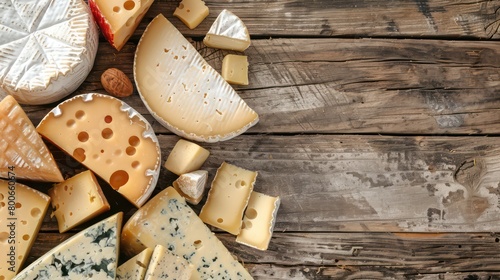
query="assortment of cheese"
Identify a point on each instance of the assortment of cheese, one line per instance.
(47, 49)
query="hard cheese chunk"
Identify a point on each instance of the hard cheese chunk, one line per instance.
(228, 197)
(259, 220)
(182, 91)
(192, 185)
(168, 221)
(47, 48)
(186, 157)
(191, 12)
(235, 69)
(22, 147)
(77, 200)
(89, 254)
(22, 210)
(118, 19)
(135, 268)
(228, 32)
(111, 139)
(165, 265)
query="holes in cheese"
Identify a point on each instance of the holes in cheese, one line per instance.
(186, 95)
(191, 12)
(111, 139)
(228, 32)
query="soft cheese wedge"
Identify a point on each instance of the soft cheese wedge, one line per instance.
(167, 220)
(22, 147)
(166, 265)
(89, 254)
(118, 19)
(182, 91)
(110, 138)
(228, 32)
(22, 210)
(135, 268)
(47, 48)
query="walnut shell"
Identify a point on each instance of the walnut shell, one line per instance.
(116, 83)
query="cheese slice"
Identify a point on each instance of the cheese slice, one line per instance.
(47, 48)
(235, 69)
(118, 19)
(22, 210)
(228, 32)
(191, 12)
(182, 91)
(167, 220)
(22, 147)
(259, 220)
(192, 185)
(165, 265)
(89, 254)
(77, 200)
(186, 157)
(228, 197)
(110, 138)
(135, 268)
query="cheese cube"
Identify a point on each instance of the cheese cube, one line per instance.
(192, 185)
(259, 220)
(235, 69)
(228, 197)
(77, 200)
(228, 32)
(186, 157)
(191, 12)
(135, 268)
(165, 265)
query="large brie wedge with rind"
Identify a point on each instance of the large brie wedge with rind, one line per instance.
(182, 91)
(47, 48)
(228, 32)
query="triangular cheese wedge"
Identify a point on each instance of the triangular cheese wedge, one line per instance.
(22, 148)
(182, 91)
(228, 32)
(135, 268)
(166, 265)
(89, 254)
(25, 220)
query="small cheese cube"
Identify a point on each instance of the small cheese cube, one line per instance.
(259, 220)
(191, 12)
(165, 265)
(77, 200)
(228, 197)
(186, 157)
(135, 268)
(192, 185)
(235, 69)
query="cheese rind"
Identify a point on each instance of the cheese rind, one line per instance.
(228, 32)
(228, 197)
(182, 91)
(110, 138)
(19, 227)
(89, 254)
(185, 157)
(191, 12)
(47, 48)
(22, 147)
(192, 185)
(77, 200)
(166, 265)
(235, 69)
(167, 220)
(259, 220)
(135, 268)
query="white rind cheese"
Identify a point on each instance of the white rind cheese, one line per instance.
(47, 48)
(228, 32)
(89, 254)
(182, 91)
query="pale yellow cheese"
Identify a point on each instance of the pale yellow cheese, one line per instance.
(185, 157)
(259, 220)
(111, 139)
(192, 185)
(235, 69)
(77, 200)
(191, 12)
(135, 268)
(166, 265)
(228, 32)
(22, 147)
(22, 210)
(228, 197)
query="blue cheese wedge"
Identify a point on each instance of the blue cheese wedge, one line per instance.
(135, 268)
(228, 32)
(182, 91)
(165, 265)
(89, 254)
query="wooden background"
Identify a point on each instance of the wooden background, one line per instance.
(379, 125)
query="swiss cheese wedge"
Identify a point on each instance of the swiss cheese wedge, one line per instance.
(182, 91)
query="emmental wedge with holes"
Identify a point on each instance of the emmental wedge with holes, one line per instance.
(111, 139)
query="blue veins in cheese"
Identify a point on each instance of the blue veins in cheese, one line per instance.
(166, 265)
(167, 220)
(89, 254)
